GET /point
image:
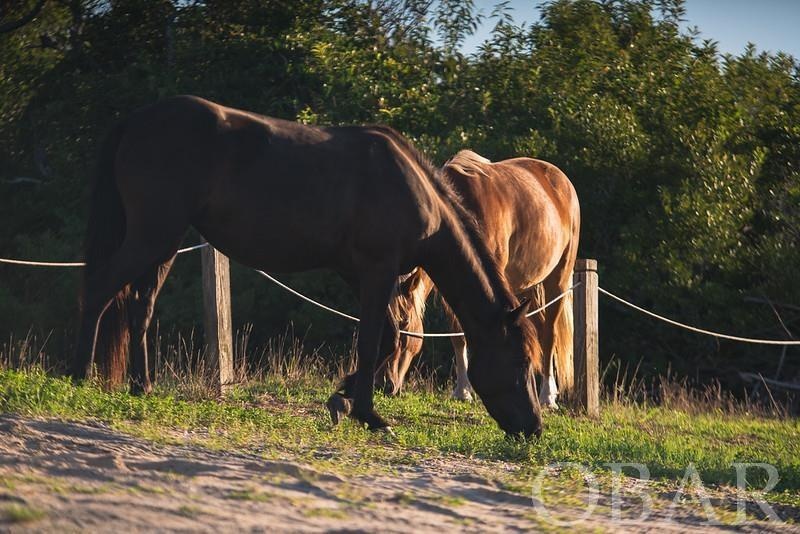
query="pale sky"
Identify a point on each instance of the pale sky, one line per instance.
(771, 25)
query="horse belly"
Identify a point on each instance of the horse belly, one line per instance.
(277, 236)
(536, 251)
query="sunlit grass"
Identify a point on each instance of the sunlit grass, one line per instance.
(278, 416)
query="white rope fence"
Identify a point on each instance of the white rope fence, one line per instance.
(694, 328)
(405, 332)
(290, 290)
(307, 299)
(77, 263)
(445, 334)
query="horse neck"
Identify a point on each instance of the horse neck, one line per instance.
(473, 290)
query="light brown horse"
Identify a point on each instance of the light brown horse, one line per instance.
(530, 216)
(282, 196)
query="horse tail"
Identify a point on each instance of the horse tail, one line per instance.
(104, 236)
(538, 298)
(563, 330)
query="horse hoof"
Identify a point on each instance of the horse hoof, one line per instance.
(373, 421)
(385, 430)
(339, 407)
(549, 405)
(462, 395)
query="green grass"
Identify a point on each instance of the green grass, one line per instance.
(280, 416)
(18, 513)
(250, 495)
(330, 513)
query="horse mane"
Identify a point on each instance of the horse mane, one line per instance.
(475, 240)
(468, 163)
(410, 297)
(444, 186)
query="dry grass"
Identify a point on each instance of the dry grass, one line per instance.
(25, 353)
(624, 386)
(181, 367)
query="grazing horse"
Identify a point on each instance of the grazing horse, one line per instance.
(529, 214)
(284, 197)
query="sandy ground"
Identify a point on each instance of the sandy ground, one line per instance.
(87, 477)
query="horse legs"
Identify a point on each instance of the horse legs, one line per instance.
(377, 338)
(549, 392)
(142, 302)
(463, 389)
(388, 349)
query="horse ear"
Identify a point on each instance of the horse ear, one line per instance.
(517, 315)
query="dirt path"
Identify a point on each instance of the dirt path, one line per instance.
(87, 477)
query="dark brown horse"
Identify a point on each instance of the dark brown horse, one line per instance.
(284, 197)
(530, 216)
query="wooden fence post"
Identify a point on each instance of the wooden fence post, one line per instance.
(217, 305)
(585, 341)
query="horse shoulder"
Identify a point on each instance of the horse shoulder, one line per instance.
(393, 185)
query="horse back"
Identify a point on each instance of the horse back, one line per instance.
(261, 188)
(528, 210)
(536, 177)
